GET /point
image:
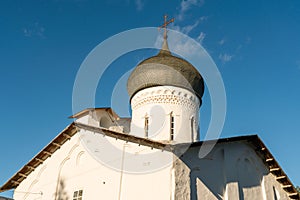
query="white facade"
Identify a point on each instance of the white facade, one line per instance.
(73, 168)
(232, 170)
(165, 113)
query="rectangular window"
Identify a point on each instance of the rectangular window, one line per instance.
(172, 126)
(78, 195)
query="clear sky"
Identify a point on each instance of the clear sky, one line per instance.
(255, 45)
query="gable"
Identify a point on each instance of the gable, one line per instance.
(64, 136)
(253, 141)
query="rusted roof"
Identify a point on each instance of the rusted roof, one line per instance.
(253, 140)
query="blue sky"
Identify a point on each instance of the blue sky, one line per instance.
(255, 45)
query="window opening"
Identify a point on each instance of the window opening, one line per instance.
(146, 127)
(172, 126)
(78, 195)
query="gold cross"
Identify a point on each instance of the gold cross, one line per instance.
(166, 23)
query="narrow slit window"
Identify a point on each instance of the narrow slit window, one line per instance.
(146, 126)
(172, 126)
(192, 127)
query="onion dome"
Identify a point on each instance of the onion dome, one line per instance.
(164, 69)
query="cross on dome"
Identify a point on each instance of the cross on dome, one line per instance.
(165, 47)
(165, 24)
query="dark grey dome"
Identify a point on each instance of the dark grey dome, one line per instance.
(165, 69)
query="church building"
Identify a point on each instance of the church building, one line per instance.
(155, 153)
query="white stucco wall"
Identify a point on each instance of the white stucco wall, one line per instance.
(74, 166)
(106, 168)
(104, 119)
(231, 171)
(157, 103)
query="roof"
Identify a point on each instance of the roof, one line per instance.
(266, 156)
(253, 140)
(5, 198)
(164, 69)
(39, 158)
(64, 136)
(87, 110)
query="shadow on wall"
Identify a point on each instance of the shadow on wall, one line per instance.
(61, 193)
(209, 176)
(248, 177)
